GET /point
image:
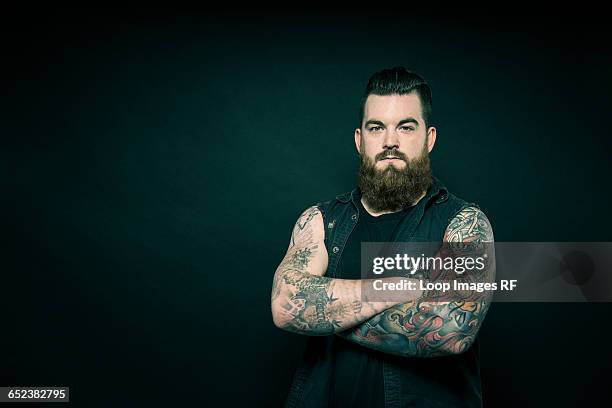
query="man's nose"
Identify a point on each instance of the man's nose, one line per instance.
(391, 140)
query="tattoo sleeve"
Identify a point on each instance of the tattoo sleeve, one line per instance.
(425, 327)
(306, 302)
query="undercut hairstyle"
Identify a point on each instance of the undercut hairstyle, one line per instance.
(398, 81)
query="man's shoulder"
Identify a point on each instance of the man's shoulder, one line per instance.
(344, 197)
(451, 207)
(449, 204)
(465, 207)
(326, 204)
(465, 216)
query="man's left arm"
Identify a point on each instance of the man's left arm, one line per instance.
(427, 327)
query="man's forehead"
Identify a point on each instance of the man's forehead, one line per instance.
(393, 107)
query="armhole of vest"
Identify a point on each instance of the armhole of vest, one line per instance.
(323, 207)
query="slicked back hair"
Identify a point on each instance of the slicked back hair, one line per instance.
(398, 81)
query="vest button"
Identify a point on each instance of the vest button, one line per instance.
(354, 216)
(441, 199)
(335, 249)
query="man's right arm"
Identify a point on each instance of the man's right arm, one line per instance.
(305, 301)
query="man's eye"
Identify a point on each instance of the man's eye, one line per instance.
(407, 128)
(375, 128)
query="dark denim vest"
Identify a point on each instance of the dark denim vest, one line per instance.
(426, 222)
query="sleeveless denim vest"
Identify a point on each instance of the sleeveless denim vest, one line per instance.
(426, 223)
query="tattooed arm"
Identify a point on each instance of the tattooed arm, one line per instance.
(425, 327)
(306, 302)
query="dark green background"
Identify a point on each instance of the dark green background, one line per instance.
(154, 169)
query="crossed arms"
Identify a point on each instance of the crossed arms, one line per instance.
(305, 301)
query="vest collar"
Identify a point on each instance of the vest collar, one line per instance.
(436, 190)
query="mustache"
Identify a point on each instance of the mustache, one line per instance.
(392, 152)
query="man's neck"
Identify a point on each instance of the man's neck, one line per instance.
(378, 213)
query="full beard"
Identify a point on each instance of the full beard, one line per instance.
(393, 189)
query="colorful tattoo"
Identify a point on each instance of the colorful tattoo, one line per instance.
(426, 328)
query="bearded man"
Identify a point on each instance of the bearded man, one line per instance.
(418, 352)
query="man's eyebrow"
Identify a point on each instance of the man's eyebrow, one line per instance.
(408, 120)
(373, 122)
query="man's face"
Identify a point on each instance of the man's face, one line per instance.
(394, 146)
(393, 130)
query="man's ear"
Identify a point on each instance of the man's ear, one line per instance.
(431, 138)
(358, 140)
